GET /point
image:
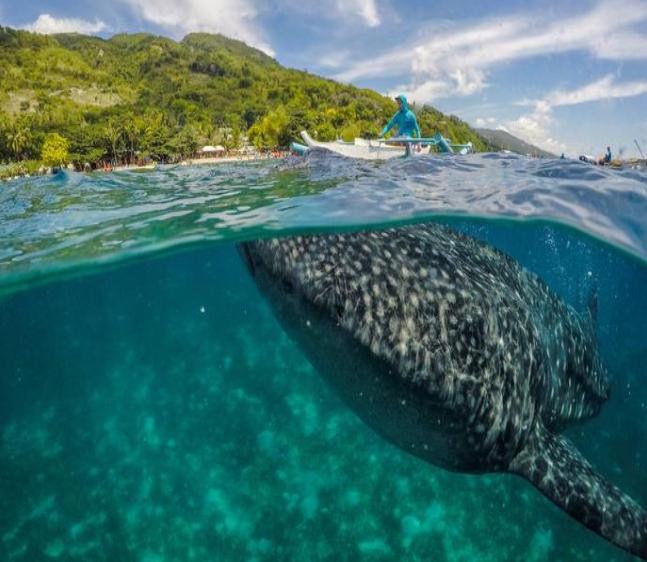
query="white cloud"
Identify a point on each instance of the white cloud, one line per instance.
(602, 89)
(461, 56)
(333, 59)
(484, 121)
(535, 126)
(343, 13)
(234, 18)
(47, 24)
(468, 80)
(431, 89)
(366, 9)
(627, 45)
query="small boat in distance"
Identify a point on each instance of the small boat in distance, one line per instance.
(599, 161)
(381, 149)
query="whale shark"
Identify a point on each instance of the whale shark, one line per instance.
(452, 351)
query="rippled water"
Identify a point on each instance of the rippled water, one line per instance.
(51, 224)
(155, 410)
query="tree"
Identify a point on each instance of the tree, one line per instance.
(271, 131)
(299, 120)
(18, 139)
(113, 135)
(87, 145)
(133, 130)
(184, 143)
(156, 134)
(233, 138)
(4, 130)
(55, 150)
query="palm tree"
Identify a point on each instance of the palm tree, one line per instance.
(113, 134)
(131, 134)
(18, 139)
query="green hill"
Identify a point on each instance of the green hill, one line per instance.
(502, 140)
(142, 95)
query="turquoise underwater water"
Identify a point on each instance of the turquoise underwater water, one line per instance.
(152, 409)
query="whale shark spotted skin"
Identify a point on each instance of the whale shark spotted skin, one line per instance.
(452, 351)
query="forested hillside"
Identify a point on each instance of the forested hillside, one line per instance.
(143, 95)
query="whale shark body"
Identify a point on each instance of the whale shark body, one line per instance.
(452, 351)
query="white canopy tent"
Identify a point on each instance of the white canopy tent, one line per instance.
(212, 149)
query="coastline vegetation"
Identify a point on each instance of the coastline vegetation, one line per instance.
(84, 100)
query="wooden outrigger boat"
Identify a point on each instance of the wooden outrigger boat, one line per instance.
(382, 149)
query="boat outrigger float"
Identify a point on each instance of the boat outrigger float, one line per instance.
(382, 149)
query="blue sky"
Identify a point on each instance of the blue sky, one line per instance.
(566, 75)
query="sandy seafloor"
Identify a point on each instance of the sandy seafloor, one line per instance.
(157, 412)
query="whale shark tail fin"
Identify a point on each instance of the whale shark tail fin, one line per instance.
(557, 468)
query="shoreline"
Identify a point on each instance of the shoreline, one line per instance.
(17, 170)
(222, 160)
(191, 162)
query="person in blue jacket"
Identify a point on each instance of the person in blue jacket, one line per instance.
(606, 159)
(405, 120)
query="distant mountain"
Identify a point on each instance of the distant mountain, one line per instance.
(503, 140)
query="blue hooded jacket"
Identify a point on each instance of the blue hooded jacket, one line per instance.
(405, 120)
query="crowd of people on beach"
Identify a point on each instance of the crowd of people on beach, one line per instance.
(143, 163)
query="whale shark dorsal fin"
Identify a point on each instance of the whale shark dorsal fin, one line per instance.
(557, 469)
(592, 306)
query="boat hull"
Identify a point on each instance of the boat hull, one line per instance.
(361, 148)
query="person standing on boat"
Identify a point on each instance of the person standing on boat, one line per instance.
(405, 120)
